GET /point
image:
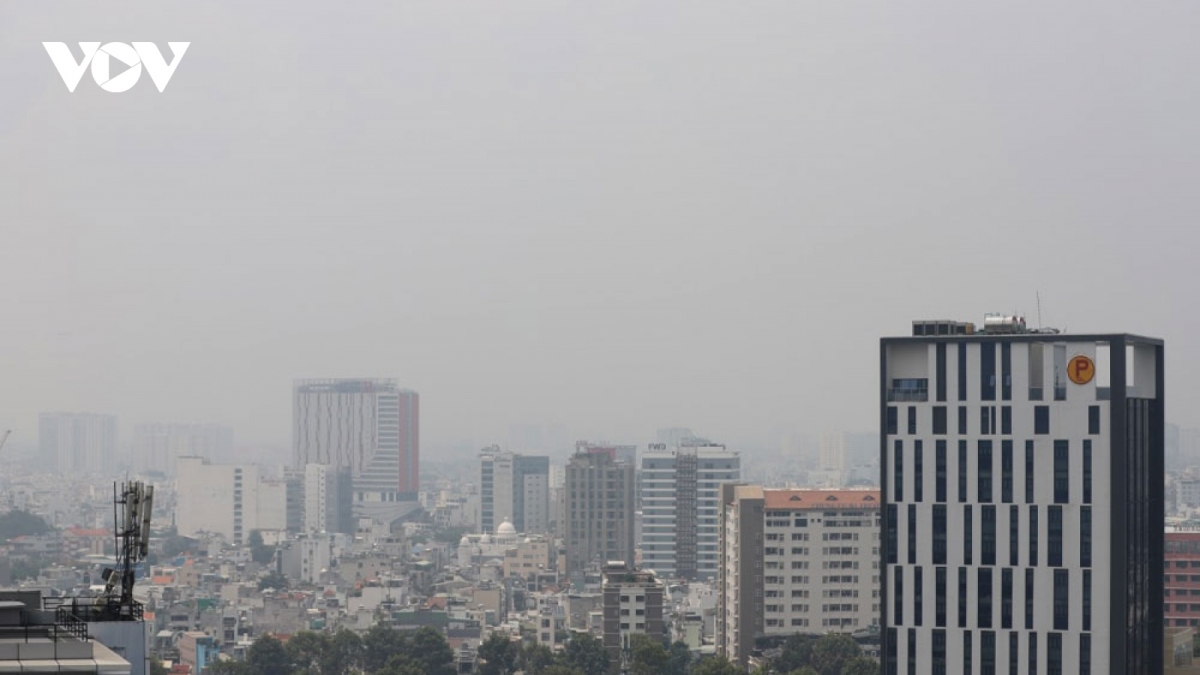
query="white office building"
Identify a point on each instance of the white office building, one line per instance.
(227, 499)
(1023, 492)
(680, 499)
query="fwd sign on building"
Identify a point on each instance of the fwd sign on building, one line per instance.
(127, 70)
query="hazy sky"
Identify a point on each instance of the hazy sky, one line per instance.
(614, 216)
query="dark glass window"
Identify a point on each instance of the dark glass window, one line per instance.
(893, 421)
(1085, 536)
(962, 420)
(1006, 420)
(987, 653)
(983, 596)
(1028, 598)
(939, 597)
(1093, 420)
(939, 420)
(892, 651)
(1061, 599)
(987, 371)
(898, 595)
(1087, 472)
(912, 420)
(962, 371)
(1062, 472)
(1033, 655)
(1087, 599)
(912, 534)
(893, 534)
(1006, 600)
(1055, 527)
(1013, 652)
(939, 652)
(1033, 536)
(985, 472)
(1085, 654)
(1029, 474)
(912, 651)
(1041, 419)
(1006, 472)
(962, 597)
(962, 471)
(1014, 536)
(939, 484)
(940, 375)
(918, 471)
(968, 666)
(985, 421)
(967, 535)
(1006, 371)
(918, 596)
(939, 534)
(1054, 654)
(989, 535)
(898, 477)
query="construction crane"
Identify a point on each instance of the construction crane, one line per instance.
(4, 438)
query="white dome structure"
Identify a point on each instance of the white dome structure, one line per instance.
(506, 529)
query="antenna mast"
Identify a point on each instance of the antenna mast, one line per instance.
(1039, 304)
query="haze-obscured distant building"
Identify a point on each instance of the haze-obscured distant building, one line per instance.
(599, 509)
(156, 447)
(79, 442)
(515, 488)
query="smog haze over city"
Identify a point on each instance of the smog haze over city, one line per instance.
(609, 217)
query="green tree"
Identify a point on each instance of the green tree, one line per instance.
(157, 667)
(797, 653)
(561, 669)
(227, 667)
(18, 523)
(267, 656)
(260, 552)
(804, 670)
(344, 655)
(305, 650)
(401, 664)
(586, 652)
(431, 651)
(274, 580)
(830, 652)
(497, 655)
(535, 659)
(717, 665)
(861, 665)
(646, 656)
(679, 659)
(380, 644)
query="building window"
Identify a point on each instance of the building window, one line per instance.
(985, 472)
(1041, 420)
(987, 653)
(1093, 420)
(1028, 598)
(939, 652)
(1033, 655)
(918, 591)
(962, 597)
(892, 651)
(939, 597)
(939, 420)
(1087, 472)
(962, 420)
(1055, 527)
(912, 651)
(939, 486)
(939, 534)
(1029, 473)
(962, 471)
(1085, 654)
(1033, 536)
(989, 535)
(987, 371)
(985, 421)
(1060, 372)
(1054, 654)
(1006, 600)
(983, 596)
(1036, 374)
(893, 533)
(918, 471)
(1006, 371)
(968, 666)
(962, 371)
(1087, 599)
(967, 535)
(893, 422)
(1085, 536)
(898, 479)
(1062, 472)
(912, 534)
(898, 595)
(940, 374)
(1006, 420)
(1014, 536)
(912, 420)
(1006, 472)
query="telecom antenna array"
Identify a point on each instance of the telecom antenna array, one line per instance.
(132, 505)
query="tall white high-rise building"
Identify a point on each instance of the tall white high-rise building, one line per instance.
(327, 499)
(232, 500)
(680, 499)
(79, 442)
(369, 427)
(1023, 492)
(514, 488)
(157, 446)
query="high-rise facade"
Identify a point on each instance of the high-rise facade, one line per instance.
(599, 509)
(156, 447)
(795, 561)
(514, 488)
(633, 605)
(1023, 492)
(370, 427)
(232, 500)
(681, 503)
(328, 492)
(79, 442)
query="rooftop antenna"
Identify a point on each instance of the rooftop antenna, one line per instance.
(1039, 305)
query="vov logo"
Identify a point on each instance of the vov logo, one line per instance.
(100, 58)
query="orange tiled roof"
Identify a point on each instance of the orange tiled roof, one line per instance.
(81, 532)
(820, 499)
